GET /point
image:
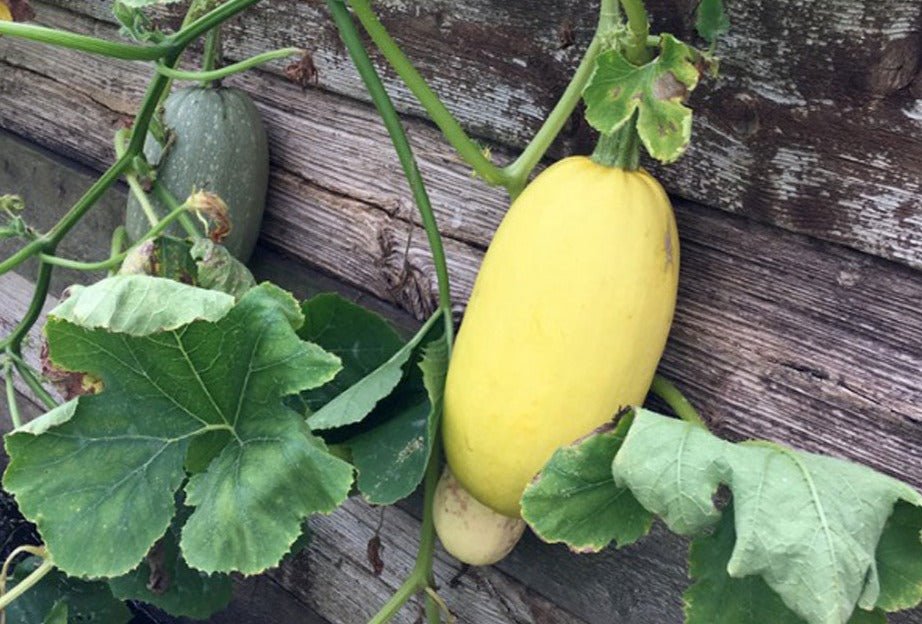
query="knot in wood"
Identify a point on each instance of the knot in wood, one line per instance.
(896, 67)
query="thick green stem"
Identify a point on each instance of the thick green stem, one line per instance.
(378, 93)
(472, 153)
(212, 52)
(620, 149)
(14, 340)
(27, 583)
(426, 552)
(93, 45)
(11, 401)
(224, 72)
(407, 590)
(639, 25)
(668, 392)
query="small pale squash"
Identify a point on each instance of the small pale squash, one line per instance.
(218, 145)
(566, 324)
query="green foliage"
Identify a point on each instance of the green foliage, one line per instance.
(899, 559)
(361, 339)
(57, 599)
(218, 269)
(139, 305)
(574, 498)
(166, 581)
(717, 598)
(163, 256)
(711, 20)
(391, 458)
(134, 22)
(654, 92)
(357, 401)
(99, 474)
(808, 525)
(398, 410)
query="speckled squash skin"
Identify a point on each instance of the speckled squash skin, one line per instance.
(219, 145)
(566, 324)
(472, 532)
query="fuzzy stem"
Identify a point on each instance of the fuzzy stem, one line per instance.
(117, 258)
(639, 25)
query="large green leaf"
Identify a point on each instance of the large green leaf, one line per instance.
(165, 580)
(717, 598)
(358, 400)
(361, 339)
(391, 458)
(808, 525)
(574, 498)
(655, 92)
(58, 599)
(139, 305)
(99, 475)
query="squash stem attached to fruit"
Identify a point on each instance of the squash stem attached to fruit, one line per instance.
(620, 149)
(514, 176)
(519, 171)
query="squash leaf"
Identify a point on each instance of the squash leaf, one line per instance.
(359, 398)
(717, 598)
(165, 580)
(361, 339)
(574, 498)
(654, 92)
(59, 599)
(808, 525)
(391, 458)
(711, 20)
(184, 387)
(386, 415)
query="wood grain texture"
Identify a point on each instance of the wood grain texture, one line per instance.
(787, 306)
(777, 336)
(798, 341)
(814, 125)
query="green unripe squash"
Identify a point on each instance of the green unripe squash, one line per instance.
(218, 145)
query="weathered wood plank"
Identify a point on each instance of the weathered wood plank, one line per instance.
(777, 336)
(745, 372)
(808, 91)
